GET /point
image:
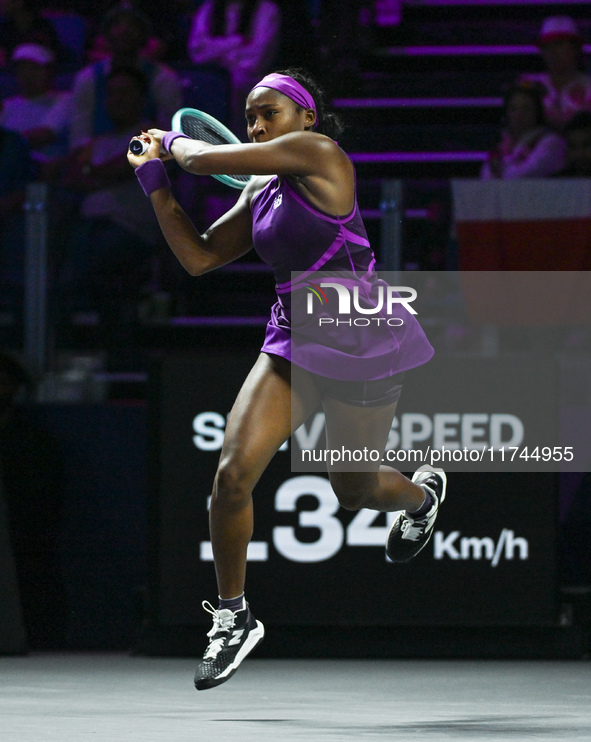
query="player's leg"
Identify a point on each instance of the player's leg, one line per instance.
(378, 487)
(366, 483)
(261, 419)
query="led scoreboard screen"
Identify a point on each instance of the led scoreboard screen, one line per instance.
(491, 560)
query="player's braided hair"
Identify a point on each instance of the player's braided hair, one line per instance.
(329, 123)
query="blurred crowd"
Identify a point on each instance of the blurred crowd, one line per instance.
(76, 83)
(547, 116)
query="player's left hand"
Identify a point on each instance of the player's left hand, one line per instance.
(153, 151)
(156, 134)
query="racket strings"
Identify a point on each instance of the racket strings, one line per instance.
(198, 129)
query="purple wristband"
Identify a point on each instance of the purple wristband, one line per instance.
(152, 175)
(169, 138)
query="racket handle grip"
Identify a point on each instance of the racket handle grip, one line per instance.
(138, 147)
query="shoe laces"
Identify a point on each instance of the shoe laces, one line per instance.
(223, 620)
(412, 530)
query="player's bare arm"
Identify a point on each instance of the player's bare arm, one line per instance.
(317, 164)
(226, 240)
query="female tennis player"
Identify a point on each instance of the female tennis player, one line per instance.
(299, 213)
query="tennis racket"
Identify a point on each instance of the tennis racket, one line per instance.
(199, 125)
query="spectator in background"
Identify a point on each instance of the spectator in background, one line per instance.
(173, 28)
(169, 42)
(112, 245)
(21, 22)
(127, 32)
(40, 113)
(242, 36)
(528, 148)
(567, 88)
(15, 172)
(578, 146)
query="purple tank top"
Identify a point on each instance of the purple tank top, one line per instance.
(303, 244)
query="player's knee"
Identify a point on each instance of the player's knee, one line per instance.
(349, 494)
(231, 487)
(351, 501)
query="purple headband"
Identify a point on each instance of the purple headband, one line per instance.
(290, 87)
